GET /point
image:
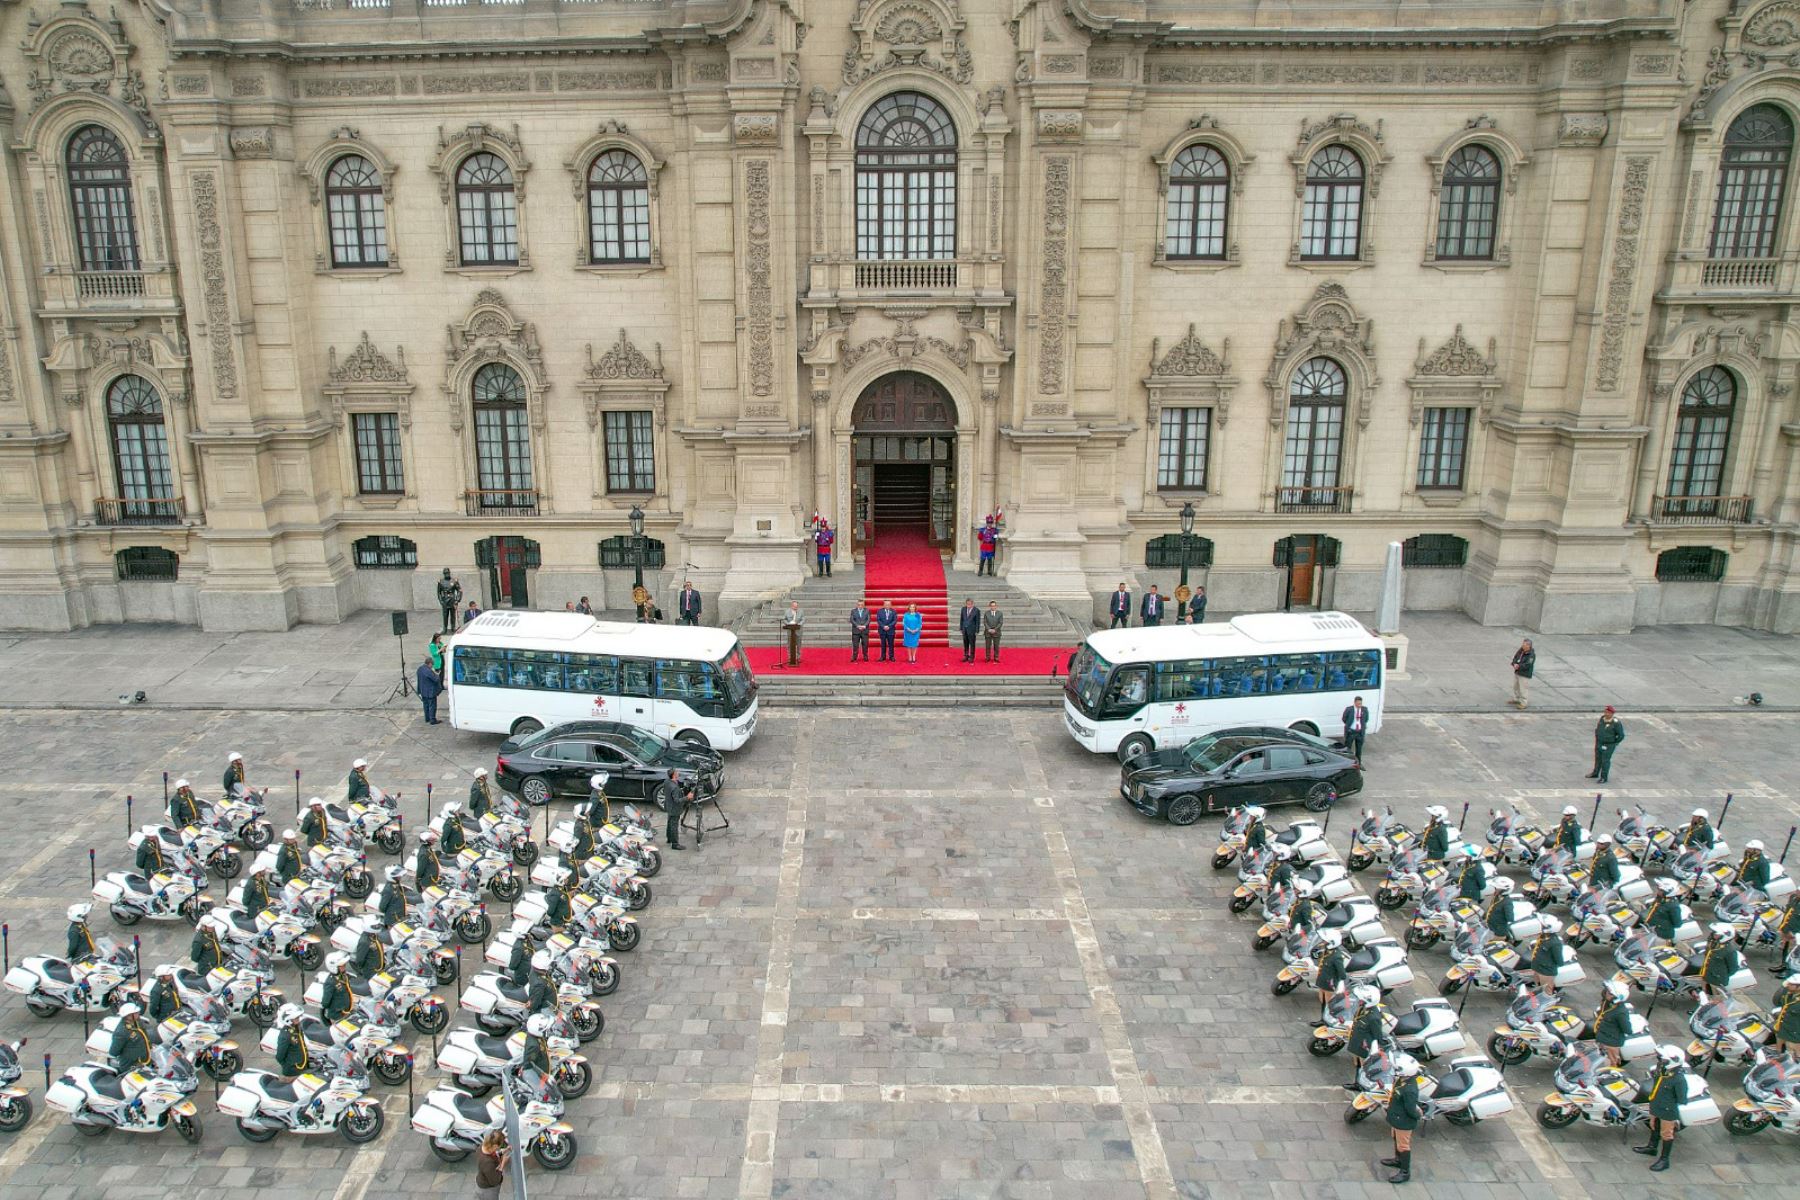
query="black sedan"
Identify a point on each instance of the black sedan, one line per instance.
(1186, 755)
(1244, 769)
(560, 760)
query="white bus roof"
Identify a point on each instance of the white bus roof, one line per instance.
(1251, 633)
(577, 633)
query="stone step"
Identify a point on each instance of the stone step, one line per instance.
(941, 691)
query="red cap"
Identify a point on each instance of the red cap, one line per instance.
(1609, 708)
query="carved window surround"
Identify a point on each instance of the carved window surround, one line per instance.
(1482, 131)
(345, 140)
(624, 379)
(490, 333)
(1455, 375)
(367, 381)
(614, 136)
(1188, 375)
(476, 138)
(1202, 131)
(1370, 146)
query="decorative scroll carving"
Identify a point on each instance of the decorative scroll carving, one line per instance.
(1106, 68)
(1456, 357)
(490, 330)
(480, 85)
(348, 86)
(7, 394)
(1654, 64)
(255, 141)
(1623, 274)
(1775, 24)
(707, 72)
(1189, 356)
(1330, 325)
(1587, 68)
(74, 53)
(1341, 127)
(1718, 74)
(1581, 129)
(1057, 125)
(245, 86)
(366, 364)
(624, 361)
(608, 81)
(474, 137)
(758, 293)
(755, 129)
(1207, 73)
(1053, 301)
(205, 187)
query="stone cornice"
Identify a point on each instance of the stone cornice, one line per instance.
(1663, 21)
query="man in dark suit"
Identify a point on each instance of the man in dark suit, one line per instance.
(1120, 607)
(689, 604)
(1153, 607)
(429, 686)
(1197, 607)
(1356, 727)
(970, 620)
(859, 630)
(886, 621)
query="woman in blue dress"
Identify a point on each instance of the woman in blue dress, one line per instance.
(910, 625)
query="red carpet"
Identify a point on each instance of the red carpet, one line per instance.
(933, 660)
(902, 566)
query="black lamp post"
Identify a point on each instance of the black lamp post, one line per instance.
(637, 547)
(1187, 547)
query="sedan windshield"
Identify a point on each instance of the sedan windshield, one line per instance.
(1212, 756)
(649, 747)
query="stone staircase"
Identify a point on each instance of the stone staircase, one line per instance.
(780, 691)
(827, 603)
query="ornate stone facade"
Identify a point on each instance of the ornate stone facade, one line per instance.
(723, 343)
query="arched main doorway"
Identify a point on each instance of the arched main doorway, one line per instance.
(904, 448)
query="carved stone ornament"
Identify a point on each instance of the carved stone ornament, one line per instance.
(254, 141)
(1581, 129)
(1327, 325)
(624, 361)
(366, 364)
(1456, 357)
(759, 296)
(755, 129)
(1189, 356)
(1719, 68)
(1622, 276)
(1369, 143)
(491, 331)
(1775, 24)
(926, 34)
(475, 137)
(75, 53)
(1056, 125)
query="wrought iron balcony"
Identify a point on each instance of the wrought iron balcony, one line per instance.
(139, 510)
(493, 502)
(1700, 510)
(1313, 499)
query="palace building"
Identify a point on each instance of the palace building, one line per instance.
(306, 300)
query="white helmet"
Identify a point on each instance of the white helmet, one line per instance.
(79, 912)
(288, 835)
(1753, 844)
(1470, 850)
(596, 781)
(1437, 810)
(394, 871)
(540, 1024)
(1283, 851)
(180, 783)
(1366, 995)
(1615, 989)
(541, 960)
(359, 764)
(336, 960)
(1666, 886)
(1670, 1053)
(316, 802)
(427, 836)
(1700, 812)
(264, 861)
(1720, 929)
(1793, 980)
(481, 772)
(1332, 938)
(289, 1014)
(1503, 885)
(129, 1010)
(215, 921)
(445, 812)
(563, 875)
(1604, 839)
(1257, 811)
(164, 969)
(234, 756)
(1568, 810)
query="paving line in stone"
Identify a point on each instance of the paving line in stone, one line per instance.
(756, 1176)
(1437, 727)
(1140, 1121)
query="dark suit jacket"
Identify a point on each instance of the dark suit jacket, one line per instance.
(970, 620)
(1153, 606)
(1350, 715)
(690, 603)
(1121, 604)
(886, 619)
(429, 684)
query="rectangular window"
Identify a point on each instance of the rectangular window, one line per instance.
(503, 452)
(1196, 222)
(358, 229)
(1691, 564)
(630, 455)
(1747, 211)
(1181, 450)
(377, 438)
(385, 552)
(1443, 445)
(1331, 220)
(489, 221)
(1315, 436)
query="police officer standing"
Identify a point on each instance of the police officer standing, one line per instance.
(292, 1055)
(1785, 1019)
(1403, 1116)
(518, 964)
(582, 848)
(598, 808)
(558, 903)
(1667, 1093)
(1333, 968)
(451, 838)
(1365, 1032)
(481, 800)
(1612, 1021)
(1789, 927)
(537, 1048)
(338, 997)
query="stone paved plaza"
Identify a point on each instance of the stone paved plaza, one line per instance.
(934, 957)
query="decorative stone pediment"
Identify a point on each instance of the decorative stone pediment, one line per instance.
(366, 380)
(890, 34)
(1455, 374)
(1189, 356)
(491, 332)
(75, 53)
(1190, 373)
(1328, 325)
(624, 377)
(473, 138)
(1455, 357)
(624, 361)
(905, 343)
(366, 364)
(1773, 25)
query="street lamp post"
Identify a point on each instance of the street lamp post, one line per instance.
(1187, 544)
(637, 547)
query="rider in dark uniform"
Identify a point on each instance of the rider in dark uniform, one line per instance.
(205, 949)
(184, 806)
(79, 944)
(393, 897)
(163, 1000)
(131, 1042)
(1403, 1116)
(1473, 881)
(313, 826)
(253, 895)
(481, 801)
(234, 774)
(356, 787)
(1612, 1022)
(1365, 1031)
(289, 862)
(338, 996)
(371, 956)
(1604, 874)
(1667, 1092)
(1664, 917)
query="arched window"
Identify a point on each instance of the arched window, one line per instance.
(1752, 177)
(1702, 434)
(1331, 217)
(357, 213)
(1199, 192)
(502, 438)
(906, 179)
(618, 209)
(487, 212)
(1469, 204)
(140, 445)
(1315, 435)
(100, 194)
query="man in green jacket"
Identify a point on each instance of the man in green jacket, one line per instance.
(1437, 834)
(1721, 962)
(1403, 1116)
(1786, 1015)
(1664, 917)
(1365, 1031)
(1667, 1092)
(1612, 1022)
(1754, 871)
(1609, 731)
(1604, 874)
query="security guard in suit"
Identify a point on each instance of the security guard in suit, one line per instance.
(338, 996)
(1668, 1091)
(1403, 1116)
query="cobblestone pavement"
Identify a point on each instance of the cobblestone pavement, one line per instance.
(934, 957)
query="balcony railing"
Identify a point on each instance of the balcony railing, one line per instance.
(109, 285)
(1313, 499)
(146, 510)
(885, 275)
(1738, 273)
(1699, 276)
(490, 502)
(1700, 510)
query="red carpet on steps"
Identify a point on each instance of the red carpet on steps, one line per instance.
(834, 659)
(902, 566)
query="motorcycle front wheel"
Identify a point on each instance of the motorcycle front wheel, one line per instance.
(652, 863)
(430, 1023)
(358, 886)
(1387, 899)
(392, 1071)
(227, 864)
(15, 1114)
(188, 1128)
(126, 916)
(223, 1065)
(310, 956)
(362, 1124)
(603, 980)
(506, 887)
(1421, 939)
(1221, 861)
(640, 897)
(1261, 942)
(261, 1010)
(624, 937)
(1323, 1047)
(1552, 1116)
(1359, 860)
(473, 927)
(1508, 1052)
(525, 853)
(574, 1081)
(588, 1023)
(444, 969)
(1743, 1124)
(256, 835)
(1282, 987)
(391, 841)
(42, 1008)
(554, 1151)
(1356, 1116)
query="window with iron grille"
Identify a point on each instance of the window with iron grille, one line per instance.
(1315, 427)
(1181, 452)
(906, 179)
(377, 440)
(147, 564)
(1434, 550)
(1199, 192)
(630, 455)
(1443, 447)
(1164, 553)
(618, 209)
(1468, 204)
(1691, 564)
(140, 444)
(100, 195)
(356, 210)
(1702, 434)
(616, 553)
(385, 552)
(487, 212)
(1331, 215)
(1752, 177)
